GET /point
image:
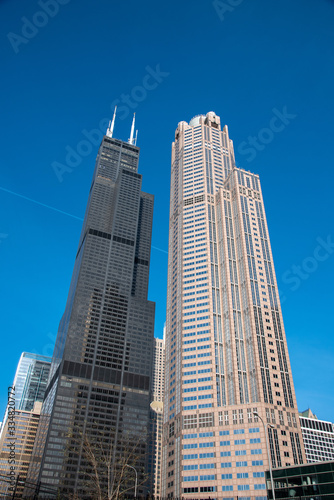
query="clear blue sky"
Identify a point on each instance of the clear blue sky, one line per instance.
(246, 63)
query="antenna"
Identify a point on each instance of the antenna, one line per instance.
(131, 140)
(110, 129)
(135, 142)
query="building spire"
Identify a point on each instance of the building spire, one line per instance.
(131, 140)
(110, 129)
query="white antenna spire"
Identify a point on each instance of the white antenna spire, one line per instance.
(111, 125)
(135, 142)
(131, 140)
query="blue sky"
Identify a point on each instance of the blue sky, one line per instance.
(247, 60)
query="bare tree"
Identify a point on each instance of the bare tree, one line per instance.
(106, 464)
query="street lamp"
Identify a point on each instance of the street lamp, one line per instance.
(255, 413)
(126, 465)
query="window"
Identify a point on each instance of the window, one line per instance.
(206, 445)
(206, 434)
(207, 466)
(258, 474)
(206, 455)
(227, 488)
(242, 475)
(226, 465)
(190, 467)
(190, 445)
(190, 490)
(190, 457)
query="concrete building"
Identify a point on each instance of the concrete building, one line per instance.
(157, 415)
(16, 445)
(99, 395)
(227, 363)
(158, 369)
(318, 437)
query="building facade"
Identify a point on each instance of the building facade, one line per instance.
(22, 433)
(30, 381)
(95, 416)
(226, 351)
(318, 437)
(157, 416)
(158, 374)
(307, 482)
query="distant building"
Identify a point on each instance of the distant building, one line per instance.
(23, 436)
(30, 381)
(158, 369)
(157, 415)
(318, 437)
(156, 448)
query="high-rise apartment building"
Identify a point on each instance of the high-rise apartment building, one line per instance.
(318, 437)
(227, 363)
(158, 374)
(95, 415)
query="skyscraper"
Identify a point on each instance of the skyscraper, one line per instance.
(30, 381)
(96, 411)
(227, 364)
(158, 369)
(157, 415)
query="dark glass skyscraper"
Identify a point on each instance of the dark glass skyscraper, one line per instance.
(98, 397)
